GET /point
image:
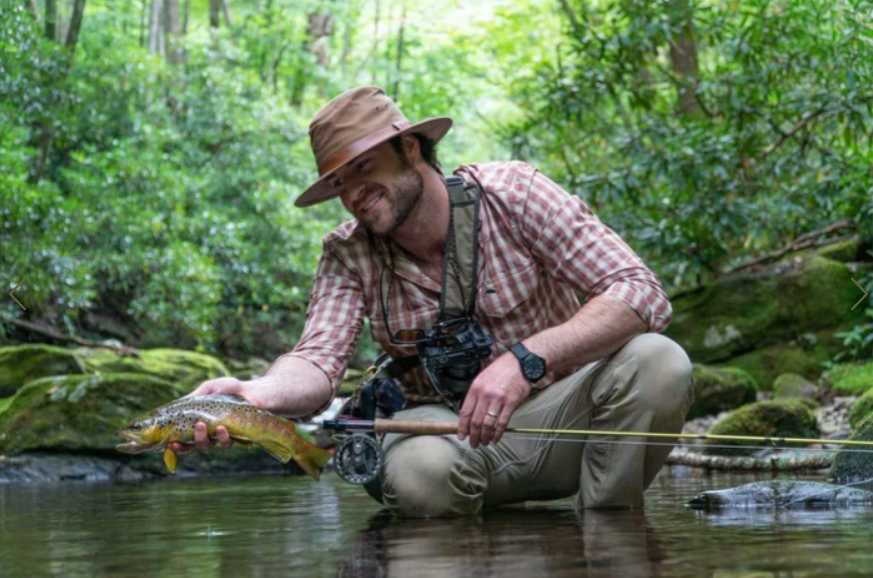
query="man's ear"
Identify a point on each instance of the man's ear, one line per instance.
(411, 148)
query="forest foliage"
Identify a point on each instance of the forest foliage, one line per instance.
(151, 150)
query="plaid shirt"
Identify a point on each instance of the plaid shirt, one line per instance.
(539, 247)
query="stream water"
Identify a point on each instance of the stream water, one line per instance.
(291, 526)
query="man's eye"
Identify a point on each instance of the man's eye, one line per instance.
(337, 183)
(362, 164)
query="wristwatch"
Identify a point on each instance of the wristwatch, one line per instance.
(533, 367)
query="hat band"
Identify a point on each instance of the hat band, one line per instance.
(361, 146)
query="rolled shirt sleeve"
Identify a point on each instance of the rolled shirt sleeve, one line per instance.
(570, 241)
(334, 319)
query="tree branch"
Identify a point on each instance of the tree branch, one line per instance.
(123, 350)
(804, 241)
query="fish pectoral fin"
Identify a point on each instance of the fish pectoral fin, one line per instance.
(170, 460)
(246, 443)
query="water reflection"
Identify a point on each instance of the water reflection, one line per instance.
(529, 542)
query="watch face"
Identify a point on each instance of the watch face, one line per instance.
(534, 368)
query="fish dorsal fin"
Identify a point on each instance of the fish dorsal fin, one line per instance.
(232, 397)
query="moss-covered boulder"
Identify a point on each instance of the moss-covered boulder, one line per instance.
(718, 389)
(851, 378)
(805, 356)
(793, 386)
(20, 364)
(845, 251)
(724, 319)
(764, 418)
(851, 465)
(862, 408)
(79, 412)
(249, 368)
(184, 368)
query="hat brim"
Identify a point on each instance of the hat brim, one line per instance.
(320, 191)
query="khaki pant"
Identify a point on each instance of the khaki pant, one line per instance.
(645, 386)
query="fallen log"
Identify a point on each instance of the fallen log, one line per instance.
(774, 463)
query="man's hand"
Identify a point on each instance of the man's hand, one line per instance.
(202, 442)
(497, 391)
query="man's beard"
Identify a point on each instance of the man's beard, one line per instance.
(405, 194)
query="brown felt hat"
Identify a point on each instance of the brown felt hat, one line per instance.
(353, 123)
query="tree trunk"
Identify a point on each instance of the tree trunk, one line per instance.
(683, 55)
(319, 31)
(155, 26)
(187, 11)
(45, 129)
(175, 55)
(51, 19)
(75, 26)
(34, 9)
(395, 91)
(373, 58)
(142, 23)
(225, 8)
(214, 10)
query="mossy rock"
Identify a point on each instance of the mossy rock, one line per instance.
(862, 408)
(805, 356)
(186, 369)
(725, 319)
(843, 252)
(853, 466)
(793, 386)
(249, 368)
(20, 364)
(764, 418)
(79, 412)
(718, 389)
(851, 378)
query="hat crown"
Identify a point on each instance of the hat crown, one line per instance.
(350, 117)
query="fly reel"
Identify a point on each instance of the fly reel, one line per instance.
(358, 459)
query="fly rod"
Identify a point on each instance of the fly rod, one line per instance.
(423, 427)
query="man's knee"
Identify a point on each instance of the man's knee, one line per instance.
(424, 477)
(664, 371)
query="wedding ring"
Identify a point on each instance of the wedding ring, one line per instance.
(491, 414)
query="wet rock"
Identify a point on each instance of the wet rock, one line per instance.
(35, 467)
(782, 494)
(717, 389)
(833, 419)
(792, 386)
(764, 418)
(739, 314)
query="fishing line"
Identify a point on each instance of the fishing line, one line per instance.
(707, 446)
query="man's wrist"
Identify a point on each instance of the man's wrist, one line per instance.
(533, 367)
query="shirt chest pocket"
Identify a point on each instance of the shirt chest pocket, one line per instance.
(500, 296)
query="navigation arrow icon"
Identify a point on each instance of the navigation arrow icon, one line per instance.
(25, 308)
(862, 298)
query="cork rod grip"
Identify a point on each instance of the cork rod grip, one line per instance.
(415, 426)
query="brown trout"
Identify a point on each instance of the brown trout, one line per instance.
(245, 423)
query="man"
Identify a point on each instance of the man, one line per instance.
(606, 366)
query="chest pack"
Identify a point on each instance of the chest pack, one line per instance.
(451, 351)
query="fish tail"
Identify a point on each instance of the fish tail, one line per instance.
(311, 457)
(290, 445)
